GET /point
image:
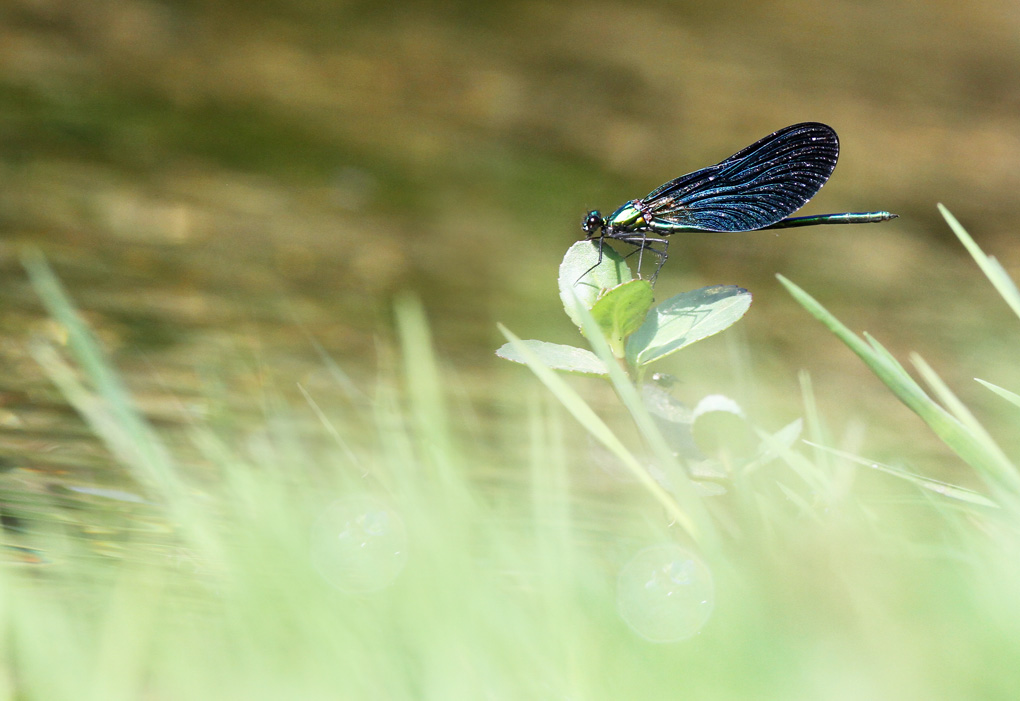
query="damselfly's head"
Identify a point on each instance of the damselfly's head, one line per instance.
(593, 223)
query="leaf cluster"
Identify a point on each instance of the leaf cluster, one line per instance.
(623, 310)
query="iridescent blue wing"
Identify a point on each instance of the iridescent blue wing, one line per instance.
(755, 187)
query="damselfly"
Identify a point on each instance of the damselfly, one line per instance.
(758, 187)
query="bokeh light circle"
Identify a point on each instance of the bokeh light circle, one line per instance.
(665, 593)
(359, 544)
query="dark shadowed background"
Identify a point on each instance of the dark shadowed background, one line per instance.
(220, 183)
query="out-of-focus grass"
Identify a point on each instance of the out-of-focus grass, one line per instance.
(385, 567)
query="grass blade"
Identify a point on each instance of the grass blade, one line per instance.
(992, 268)
(587, 417)
(700, 525)
(972, 448)
(1011, 397)
(109, 409)
(946, 489)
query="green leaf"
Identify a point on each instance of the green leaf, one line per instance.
(721, 430)
(576, 281)
(621, 311)
(686, 319)
(672, 418)
(556, 356)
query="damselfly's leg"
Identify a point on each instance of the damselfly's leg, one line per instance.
(643, 243)
(597, 263)
(662, 260)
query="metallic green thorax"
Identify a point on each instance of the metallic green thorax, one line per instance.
(627, 218)
(631, 222)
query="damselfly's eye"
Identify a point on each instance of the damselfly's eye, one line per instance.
(592, 221)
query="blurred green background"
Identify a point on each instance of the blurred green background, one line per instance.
(221, 183)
